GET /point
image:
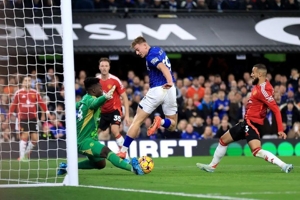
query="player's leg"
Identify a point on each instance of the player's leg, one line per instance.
(254, 143)
(170, 109)
(233, 134)
(133, 131)
(147, 105)
(115, 127)
(99, 152)
(104, 135)
(104, 124)
(34, 136)
(24, 136)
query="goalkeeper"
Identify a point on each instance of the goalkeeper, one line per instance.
(87, 134)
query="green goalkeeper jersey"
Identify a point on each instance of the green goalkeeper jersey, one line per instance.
(88, 116)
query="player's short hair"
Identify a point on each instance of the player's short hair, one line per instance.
(90, 82)
(22, 77)
(261, 67)
(138, 40)
(105, 59)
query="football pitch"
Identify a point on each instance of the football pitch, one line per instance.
(236, 178)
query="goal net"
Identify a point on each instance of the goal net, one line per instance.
(34, 36)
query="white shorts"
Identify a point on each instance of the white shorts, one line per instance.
(158, 96)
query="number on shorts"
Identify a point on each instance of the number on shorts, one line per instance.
(117, 118)
(246, 128)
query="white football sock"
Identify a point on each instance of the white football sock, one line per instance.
(29, 147)
(22, 148)
(124, 149)
(120, 141)
(218, 155)
(268, 156)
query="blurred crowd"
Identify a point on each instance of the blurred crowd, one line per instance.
(207, 106)
(158, 5)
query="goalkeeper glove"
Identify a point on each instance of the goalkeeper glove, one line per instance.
(109, 94)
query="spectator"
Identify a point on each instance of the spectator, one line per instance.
(222, 129)
(294, 133)
(172, 5)
(222, 104)
(215, 125)
(198, 125)
(11, 88)
(58, 131)
(248, 5)
(201, 5)
(195, 88)
(294, 79)
(292, 5)
(290, 115)
(277, 5)
(207, 134)
(189, 133)
(141, 7)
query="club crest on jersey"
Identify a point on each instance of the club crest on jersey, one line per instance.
(33, 96)
(91, 144)
(109, 86)
(254, 92)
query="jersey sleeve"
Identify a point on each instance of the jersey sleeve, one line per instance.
(119, 86)
(154, 59)
(41, 103)
(94, 103)
(267, 98)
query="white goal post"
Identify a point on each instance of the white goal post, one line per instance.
(16, 55)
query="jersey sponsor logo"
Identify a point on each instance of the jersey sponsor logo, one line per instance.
(154, 60)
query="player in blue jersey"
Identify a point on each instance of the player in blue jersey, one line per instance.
(162, 92)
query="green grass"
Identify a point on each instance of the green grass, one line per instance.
(239, 177)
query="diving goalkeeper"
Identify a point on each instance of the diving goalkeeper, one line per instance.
(87, 132)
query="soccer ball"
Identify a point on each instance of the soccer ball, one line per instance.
(146, 164)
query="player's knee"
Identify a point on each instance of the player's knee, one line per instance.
(101, 164)
(105, 151)
(172, 128)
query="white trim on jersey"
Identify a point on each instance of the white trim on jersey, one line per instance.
(265, 93)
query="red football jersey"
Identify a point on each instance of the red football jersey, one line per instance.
(27, 101)
(115, 102)
(260, 100)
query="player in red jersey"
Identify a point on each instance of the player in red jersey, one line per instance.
(256, 110)
(25, 103)
(111, 111)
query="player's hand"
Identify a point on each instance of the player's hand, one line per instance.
(109, 94)
(167, 85)
(282, 135)
(127, 120)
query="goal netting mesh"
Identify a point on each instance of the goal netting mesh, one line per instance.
(31, 44)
